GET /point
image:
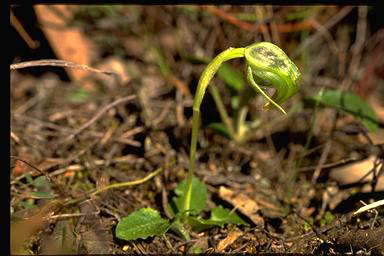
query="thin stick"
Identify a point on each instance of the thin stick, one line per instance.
(330, 165)
(331, 22)
(57, 63)
(98, 115)
(130, 183)
(282, 28)
(123, 139)
(357, 47)
(20, 29)
(34, 167)
(320, 165)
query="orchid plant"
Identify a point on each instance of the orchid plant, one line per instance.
(267, 65)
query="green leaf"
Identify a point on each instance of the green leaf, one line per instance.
(41, 182)
(29, 178)
(221, 129)
(327, 219)
(179, 228)
(161, 61)
(142, 224)
(224, 215)
(350, 103)
(232, 77)
(199, 224)
(199, 195)
(44, 185)
(79, 95)
(219, 217)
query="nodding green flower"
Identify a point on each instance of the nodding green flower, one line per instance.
(269, 66)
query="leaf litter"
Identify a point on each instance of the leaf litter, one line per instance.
(132, 139)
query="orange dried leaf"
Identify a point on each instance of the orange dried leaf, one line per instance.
(67, 42)
(230, 239)
(242, 202)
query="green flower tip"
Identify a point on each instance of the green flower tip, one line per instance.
(271, 67)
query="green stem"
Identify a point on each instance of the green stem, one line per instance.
(241, 113)
(221, 108)
(211, 70)
(192, 157)
(241, 127)
(205, 78)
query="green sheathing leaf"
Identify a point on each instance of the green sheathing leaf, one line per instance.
(178, 227)
(232, 77)
(223, 215)
(350, 103)
(79, 95)
(142, 224)
(199, 195)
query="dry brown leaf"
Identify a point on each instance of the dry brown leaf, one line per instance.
(180, 85)
(67, 42)
(242, 202)
(353, 172)
(22, 230)
(232, 236)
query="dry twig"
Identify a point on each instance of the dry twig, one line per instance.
(357, 47)
(282, 28)
(331, 22)
(57, 63)
(24, 34)
(98, 115)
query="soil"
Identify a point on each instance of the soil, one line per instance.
(70, 137)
